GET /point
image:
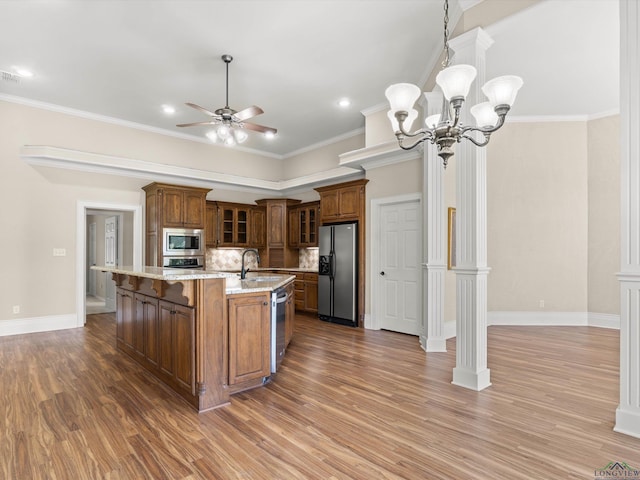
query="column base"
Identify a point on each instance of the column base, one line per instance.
(472, 380)
(628, 422)
(433, 344)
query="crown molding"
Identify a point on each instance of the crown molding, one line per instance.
(325, 143)
(56, 157)
(377, 156)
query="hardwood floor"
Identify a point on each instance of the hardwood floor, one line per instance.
(346, 404)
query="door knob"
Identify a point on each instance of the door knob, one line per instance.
(382, 273)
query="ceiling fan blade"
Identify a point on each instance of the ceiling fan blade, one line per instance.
(248, 113)
(259, 128)
(203, 110)
(213, 122)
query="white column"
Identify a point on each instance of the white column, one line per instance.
(628, 412)
(471, 230)
(434, 268)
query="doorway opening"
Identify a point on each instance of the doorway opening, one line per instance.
(107, 234)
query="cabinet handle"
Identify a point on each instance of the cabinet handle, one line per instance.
(265, 303)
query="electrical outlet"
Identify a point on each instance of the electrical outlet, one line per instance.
(59, 252)
(16, 309)
(541, 303)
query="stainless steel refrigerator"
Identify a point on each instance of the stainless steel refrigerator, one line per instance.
(338, 273)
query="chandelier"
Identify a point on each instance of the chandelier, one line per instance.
(445, 129)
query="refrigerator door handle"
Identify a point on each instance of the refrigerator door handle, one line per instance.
(333, 264)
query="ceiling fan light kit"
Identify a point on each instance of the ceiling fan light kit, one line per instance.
(231, 124)
(445, 129)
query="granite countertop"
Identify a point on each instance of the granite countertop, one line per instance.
(286, 269)
(255, 281)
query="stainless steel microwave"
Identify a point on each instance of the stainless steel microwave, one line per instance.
(182, 241)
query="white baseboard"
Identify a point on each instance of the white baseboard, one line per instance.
(604, 320)
(38, 324)
(575, 319)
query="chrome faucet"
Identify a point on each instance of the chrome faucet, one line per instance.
(243, 272)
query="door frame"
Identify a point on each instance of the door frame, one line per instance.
(374, 279)
(82, 208)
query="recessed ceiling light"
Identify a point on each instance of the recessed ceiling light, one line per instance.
(344, 102)
(269, 135)
(168, 109)
(23, 72)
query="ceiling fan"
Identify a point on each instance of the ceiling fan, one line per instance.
(231, 123)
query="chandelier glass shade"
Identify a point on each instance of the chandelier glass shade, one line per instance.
(445, 129)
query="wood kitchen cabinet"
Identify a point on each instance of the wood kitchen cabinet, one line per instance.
(170, 206)
(125, 319)
(146, 327)
(233, 224)
(211, 225)
(311, 292)
(343, 202)
(258, 227)
(308, 221)
(159, 334)
(176, 342)
(249, 337)
(293, 227)
(303, 225)
(278, 252)
(290, 314)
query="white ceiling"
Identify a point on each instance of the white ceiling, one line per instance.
(293, 58)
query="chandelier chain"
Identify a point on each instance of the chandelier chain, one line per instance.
(445, 62)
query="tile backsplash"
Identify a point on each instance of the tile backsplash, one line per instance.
(231, 259)
(309, 258)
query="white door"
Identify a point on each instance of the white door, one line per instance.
(110, 259)
(400, 267)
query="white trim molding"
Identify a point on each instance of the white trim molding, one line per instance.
(554, 319)
(49, 156)
(38, 324)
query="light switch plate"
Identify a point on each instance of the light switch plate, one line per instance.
(59, 252)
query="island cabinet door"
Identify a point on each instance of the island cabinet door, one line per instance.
(125, 317)
(146, 331)
(138, 323)
(249, 338)
(177, 344)
(290, 314)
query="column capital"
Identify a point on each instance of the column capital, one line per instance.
(476, 38)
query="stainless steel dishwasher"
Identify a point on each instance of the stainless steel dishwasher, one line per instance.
(278, 313)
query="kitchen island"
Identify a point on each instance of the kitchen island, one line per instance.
(205, 334)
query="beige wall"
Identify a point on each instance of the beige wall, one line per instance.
(537, 217)
(320, 159)
(604, 215)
